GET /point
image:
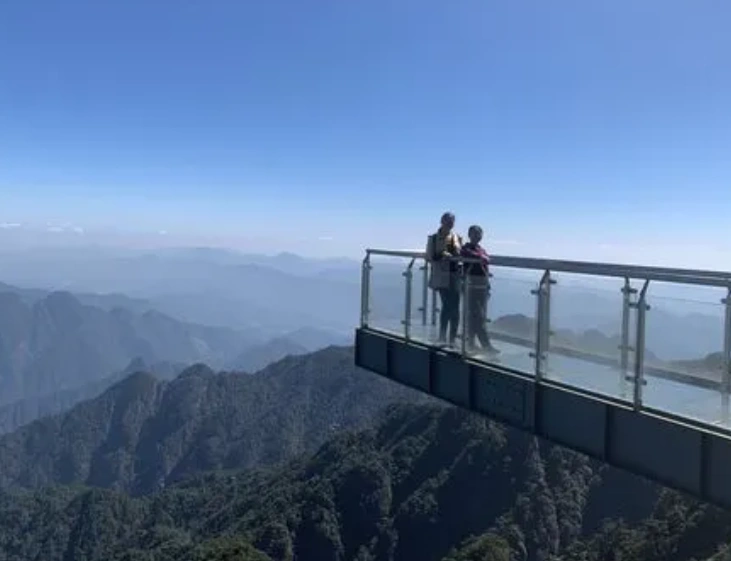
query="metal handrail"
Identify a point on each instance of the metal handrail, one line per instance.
(661, 274)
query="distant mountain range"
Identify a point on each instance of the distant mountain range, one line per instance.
(56, 343)
(106, 302)
(295, 343)
(277, 294)
(597, 345)
(258, 357)
(57, 348)
(207, 286)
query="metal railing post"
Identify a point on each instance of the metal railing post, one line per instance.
(537, 349)
(547, 332)
(465, 308)
(409, 276)
(625, 347)
(488, 296)
(424, 293)
(365, 290)
(543, 323)
(434, 304)
(434, 308)
(639, 374)
(726, 375)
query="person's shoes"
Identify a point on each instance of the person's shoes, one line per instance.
(492, 350)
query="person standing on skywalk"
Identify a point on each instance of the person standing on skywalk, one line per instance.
(477, 291)
(442, 246)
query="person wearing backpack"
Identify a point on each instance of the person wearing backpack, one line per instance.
(442, 246)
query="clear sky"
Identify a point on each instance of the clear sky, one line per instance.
(568, 128)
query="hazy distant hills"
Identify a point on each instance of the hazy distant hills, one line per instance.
(273, 294)
(256, 358)
(57, 343)
(57, 349)
(606, 348)
(104, 301)
(299, 342)
(590, 341)
(143, 433)
(277, 294)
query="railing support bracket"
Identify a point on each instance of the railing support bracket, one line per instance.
(639, 372)
(726, 374)
(409, 278)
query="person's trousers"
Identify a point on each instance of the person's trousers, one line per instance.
(477, 315)
(449, 316)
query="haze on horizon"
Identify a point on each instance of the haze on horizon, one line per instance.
(569, 129)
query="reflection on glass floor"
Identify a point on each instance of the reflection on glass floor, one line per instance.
(682, 399)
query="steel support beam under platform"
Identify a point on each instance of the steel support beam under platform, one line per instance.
(653, 444)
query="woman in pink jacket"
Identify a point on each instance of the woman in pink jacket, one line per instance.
(477, 277)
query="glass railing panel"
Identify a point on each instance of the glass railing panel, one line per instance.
(422, 329)
(387, 294)
(511, 313)
(684, 352)
(426, 319)
(585, 344)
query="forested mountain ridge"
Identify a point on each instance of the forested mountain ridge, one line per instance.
(428, 483)
(201, 467)
(144, 433)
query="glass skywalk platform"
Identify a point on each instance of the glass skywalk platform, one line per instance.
(629, 364)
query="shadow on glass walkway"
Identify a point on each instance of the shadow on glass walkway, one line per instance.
(653, 343)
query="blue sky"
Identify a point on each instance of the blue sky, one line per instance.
(567, 128)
